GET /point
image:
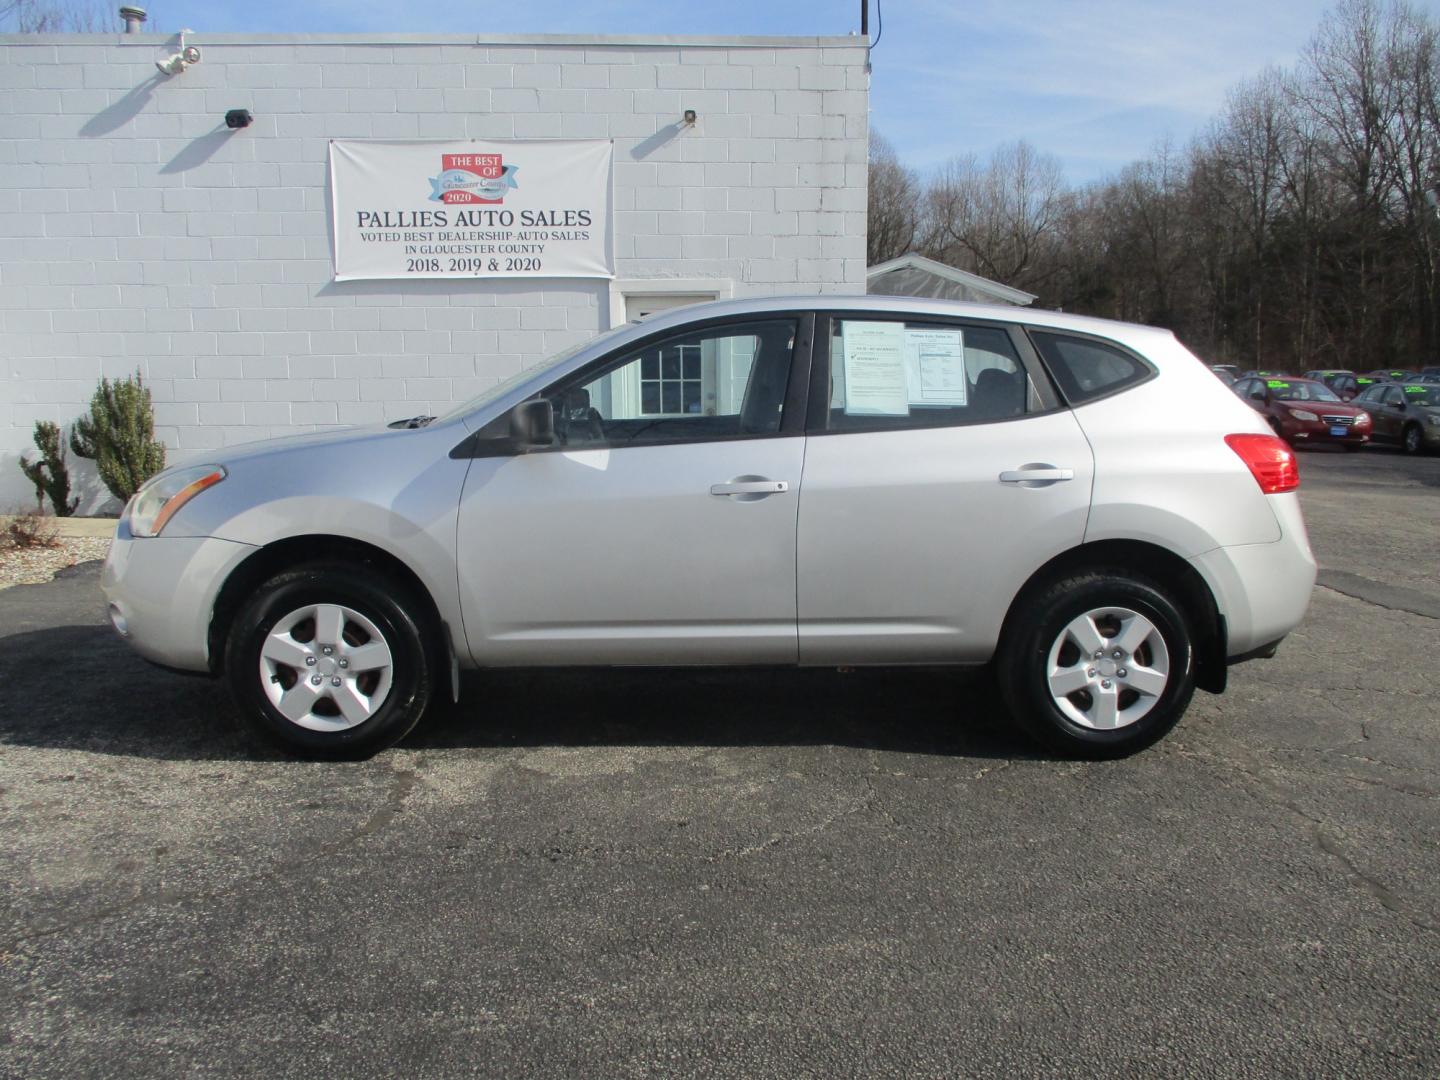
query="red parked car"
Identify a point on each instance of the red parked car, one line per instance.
(1306, 411)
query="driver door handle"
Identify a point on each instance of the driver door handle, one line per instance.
(750, 487)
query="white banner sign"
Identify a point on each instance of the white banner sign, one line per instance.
(471, 209)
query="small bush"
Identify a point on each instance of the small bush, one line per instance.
(49, 474)
(119, 436)
(29, 530)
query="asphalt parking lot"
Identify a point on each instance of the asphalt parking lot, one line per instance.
(748, 875)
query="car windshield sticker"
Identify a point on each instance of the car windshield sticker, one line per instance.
(1278, 384)
(1415, 389)
(875, 381)
(935, 367)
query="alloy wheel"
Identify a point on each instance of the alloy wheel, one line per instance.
(1108, 668)
(326, 667)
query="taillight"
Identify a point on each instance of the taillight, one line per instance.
(1269, 460)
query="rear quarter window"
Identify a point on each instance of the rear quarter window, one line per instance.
(1086, 369)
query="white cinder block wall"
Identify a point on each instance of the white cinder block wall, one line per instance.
(138, 232)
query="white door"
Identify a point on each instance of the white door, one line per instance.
(658, 532)
(918, 524)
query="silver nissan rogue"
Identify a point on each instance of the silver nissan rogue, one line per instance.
(819, 480)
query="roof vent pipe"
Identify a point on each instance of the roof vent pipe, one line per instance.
(134, 19)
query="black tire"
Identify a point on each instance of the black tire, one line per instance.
(1036, 626)
(1412, 439)
(389, 606)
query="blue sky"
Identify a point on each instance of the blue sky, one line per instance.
(1097, 83)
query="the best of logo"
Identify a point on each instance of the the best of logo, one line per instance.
(472, 178)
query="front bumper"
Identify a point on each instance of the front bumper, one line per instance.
(1317, 431)
(161, 592)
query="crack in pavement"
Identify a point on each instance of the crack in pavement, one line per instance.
(1373, 781)
(794, 834)
(1323, 841)
(403, 785)
(1388, 900)
(1389, 597)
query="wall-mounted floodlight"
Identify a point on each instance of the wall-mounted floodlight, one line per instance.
(238, 118)
(177, 62)
(690, 117)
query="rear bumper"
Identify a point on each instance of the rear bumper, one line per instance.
(1264, 652)
(1263, 590)
(161, 592)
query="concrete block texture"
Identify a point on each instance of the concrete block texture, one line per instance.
(143, 235)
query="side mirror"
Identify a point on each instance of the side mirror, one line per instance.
(532, 423)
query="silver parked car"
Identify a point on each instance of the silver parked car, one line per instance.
(816, 481)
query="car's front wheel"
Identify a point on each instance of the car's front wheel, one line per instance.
(1412, 440)
(329, 660)
(1097, 664)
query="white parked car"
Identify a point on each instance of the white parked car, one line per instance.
(816, 481)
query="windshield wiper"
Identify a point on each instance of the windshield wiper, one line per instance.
(411, 422)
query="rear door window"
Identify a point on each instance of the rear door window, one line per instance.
(898, 375)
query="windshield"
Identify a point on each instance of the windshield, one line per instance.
(1301, 391)
(1422, 394)
(500, 389)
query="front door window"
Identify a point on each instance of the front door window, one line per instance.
(725, 382)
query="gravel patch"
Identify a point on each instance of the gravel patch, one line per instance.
(34, 566)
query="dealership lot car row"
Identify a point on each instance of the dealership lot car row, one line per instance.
(1341, 409)
(815, 481)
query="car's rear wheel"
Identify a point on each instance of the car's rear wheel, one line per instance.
(1412, 439)
(329, 660)
(1097, 664)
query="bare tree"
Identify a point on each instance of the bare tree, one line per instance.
(998, 219)
(1301, 230)
(55, 16)
(894, 204)
(1238, 188)
(1410, 145)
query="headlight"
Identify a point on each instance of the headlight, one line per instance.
(1363, 420)
(156, 502)
(1303, 414)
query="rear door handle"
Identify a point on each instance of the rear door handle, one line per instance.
(750, 487)
(1030, 474)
